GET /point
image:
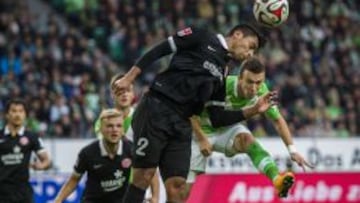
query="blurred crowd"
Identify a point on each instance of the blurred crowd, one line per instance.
(63, 71)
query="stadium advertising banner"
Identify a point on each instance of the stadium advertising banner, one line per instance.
(326, 154)
(247, 188)
(47, 186)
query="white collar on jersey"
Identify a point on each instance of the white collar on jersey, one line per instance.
(103, 150)
(20, 132)
(222, 41)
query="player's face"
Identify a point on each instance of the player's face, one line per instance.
(126, 98)
(16, 115)
(249, 83)
(243, 47)
(112, 129)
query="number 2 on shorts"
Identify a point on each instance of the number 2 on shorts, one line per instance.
(141, 145)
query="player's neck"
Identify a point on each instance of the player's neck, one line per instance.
(14, 129)
(240, 93)
(111, 148)
(124, 110)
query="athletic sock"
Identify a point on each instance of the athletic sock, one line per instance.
(134, 195)
(262, 160)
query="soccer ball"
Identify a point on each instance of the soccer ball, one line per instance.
(271, 13)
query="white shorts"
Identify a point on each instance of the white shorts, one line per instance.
(221, 141)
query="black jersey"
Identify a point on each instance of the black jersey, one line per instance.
(15, 153)
(196, 70)
(107, 178)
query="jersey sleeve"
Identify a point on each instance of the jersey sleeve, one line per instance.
(273, 112)
(81, 164)
(186, 38)
(217, 98)
(38, 144)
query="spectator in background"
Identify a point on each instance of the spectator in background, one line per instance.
(318, 46)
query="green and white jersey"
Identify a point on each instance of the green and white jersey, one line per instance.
(233, 101)
(126, 123)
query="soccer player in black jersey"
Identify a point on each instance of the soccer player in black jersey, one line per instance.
(162, 130)
(16, 147)
(107, 163)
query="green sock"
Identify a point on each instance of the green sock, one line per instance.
(262, 160)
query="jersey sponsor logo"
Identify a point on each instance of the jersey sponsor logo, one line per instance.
(16, 149)
(114, 184)
(213, 69)
(126, 163)
(24, 141)
(184, 32)
(13, 158)
(211, 48)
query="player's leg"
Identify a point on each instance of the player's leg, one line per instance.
(149, 142)
(197, 167)
(239, 139)
(175, 161)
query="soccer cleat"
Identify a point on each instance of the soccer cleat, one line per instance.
(283, 183)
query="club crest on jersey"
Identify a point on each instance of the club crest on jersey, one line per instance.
(24, 141)
(126, 163)
(184, 32)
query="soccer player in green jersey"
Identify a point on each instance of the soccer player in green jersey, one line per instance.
(124, 103)
(241, 91)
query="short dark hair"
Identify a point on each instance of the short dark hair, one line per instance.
(15, 101)
(249, 30)
(253, 65)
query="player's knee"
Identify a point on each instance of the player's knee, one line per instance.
(143, 176)
(243, 141)
(175, 186)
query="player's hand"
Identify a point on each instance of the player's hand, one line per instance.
(36, 165)
(266, 101)
(152, 200)
(296, 157)
(205, 147)
(121, 85)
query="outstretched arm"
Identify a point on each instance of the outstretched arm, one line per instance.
(284, 132)
(160, 50)
(220, 117)
(67, 188)
(182, 40)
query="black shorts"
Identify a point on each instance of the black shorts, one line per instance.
(161, 138)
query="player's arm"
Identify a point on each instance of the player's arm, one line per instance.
(43, 160)
(184, 39)
(283, 130)
(68, 188)
(220, 117)
(80, 168)
(200, 136)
